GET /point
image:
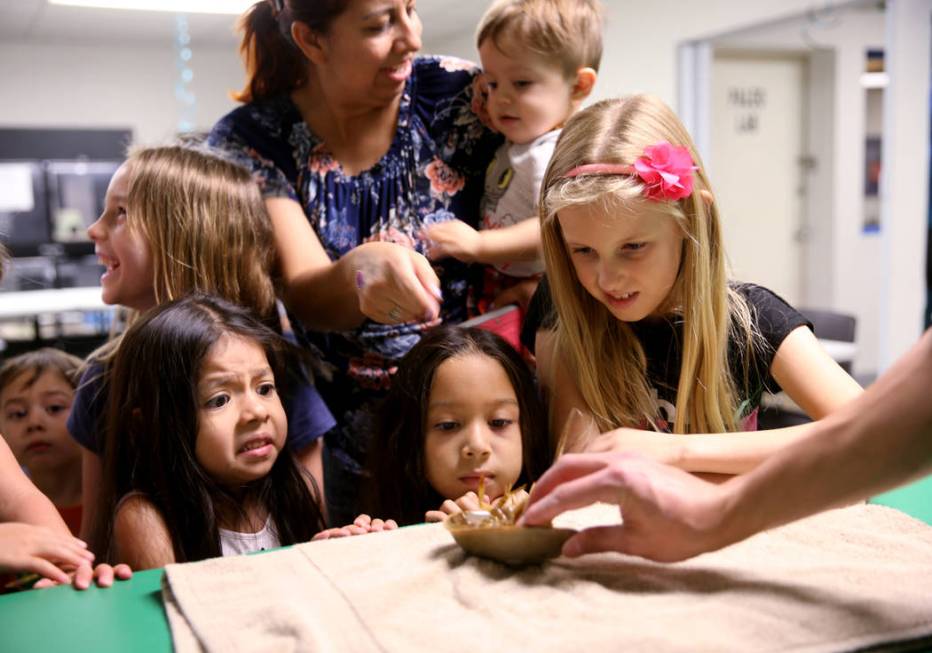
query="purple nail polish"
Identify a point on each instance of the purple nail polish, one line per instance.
(360, 279)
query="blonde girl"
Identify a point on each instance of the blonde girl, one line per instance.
(178, 220)
(651, 333)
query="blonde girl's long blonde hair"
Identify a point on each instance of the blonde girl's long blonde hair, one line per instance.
(205, 222)
(603, 354)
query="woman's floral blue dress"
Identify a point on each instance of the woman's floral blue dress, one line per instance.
(432, 172)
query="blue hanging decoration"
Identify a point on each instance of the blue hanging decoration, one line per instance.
(184, 92)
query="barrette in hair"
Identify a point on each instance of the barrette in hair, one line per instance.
(278, 6)
(666, 171)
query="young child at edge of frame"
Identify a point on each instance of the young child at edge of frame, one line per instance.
(33, 537)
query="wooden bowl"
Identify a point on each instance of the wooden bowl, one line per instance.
(513, 545)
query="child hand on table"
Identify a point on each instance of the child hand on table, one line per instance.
(469, 501)
(81, 577)
(360, 526)
(34, 539)
(40, 550)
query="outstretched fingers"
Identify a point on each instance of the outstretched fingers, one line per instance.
(104, 575)
(550, 495)
(599, 486)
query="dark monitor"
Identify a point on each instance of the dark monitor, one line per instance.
(24, 223)
(76, 190)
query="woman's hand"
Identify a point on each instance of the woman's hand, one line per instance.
(662, 447)
(360, 526)
(395, 284)
(36, 549)
(469, 501)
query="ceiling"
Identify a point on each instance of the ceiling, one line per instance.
(37, 21)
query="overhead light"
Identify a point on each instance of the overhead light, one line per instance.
(174, 6)
(874, 80)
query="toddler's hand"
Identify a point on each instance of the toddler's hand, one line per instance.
(360, 526)
(469, 501)
(520, 294)
(36, 549)
(453, 238)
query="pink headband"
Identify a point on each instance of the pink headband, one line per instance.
(666, 171)
(600, 169)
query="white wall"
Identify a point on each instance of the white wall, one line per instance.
(904, 184)
(641, 38)
(112, 85)
(844, 266)
(876, 276)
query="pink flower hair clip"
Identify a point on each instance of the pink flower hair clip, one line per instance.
(666, 171)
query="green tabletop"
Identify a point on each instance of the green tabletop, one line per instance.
(125, 617)
(914, 499)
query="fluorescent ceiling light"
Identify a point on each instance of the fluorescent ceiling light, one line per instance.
(175, 6)
(874, 80)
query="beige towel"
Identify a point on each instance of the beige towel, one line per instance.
(843, 580)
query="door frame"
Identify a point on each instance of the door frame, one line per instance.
(904, 188)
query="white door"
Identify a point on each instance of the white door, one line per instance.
(757, 146)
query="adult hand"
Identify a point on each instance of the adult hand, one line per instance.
(395, 284)
(360, 526)
(469, 501)
(453, 238)
(81, 578)
(36, 549)
(662, 447)
(668, 514)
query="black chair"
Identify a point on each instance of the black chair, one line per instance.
(834, 329)
(832, 326)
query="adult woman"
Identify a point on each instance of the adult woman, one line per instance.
(357, 145)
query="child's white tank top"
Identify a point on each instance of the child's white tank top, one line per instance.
(234, 543)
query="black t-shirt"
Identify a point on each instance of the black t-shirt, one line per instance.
(771, 316)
